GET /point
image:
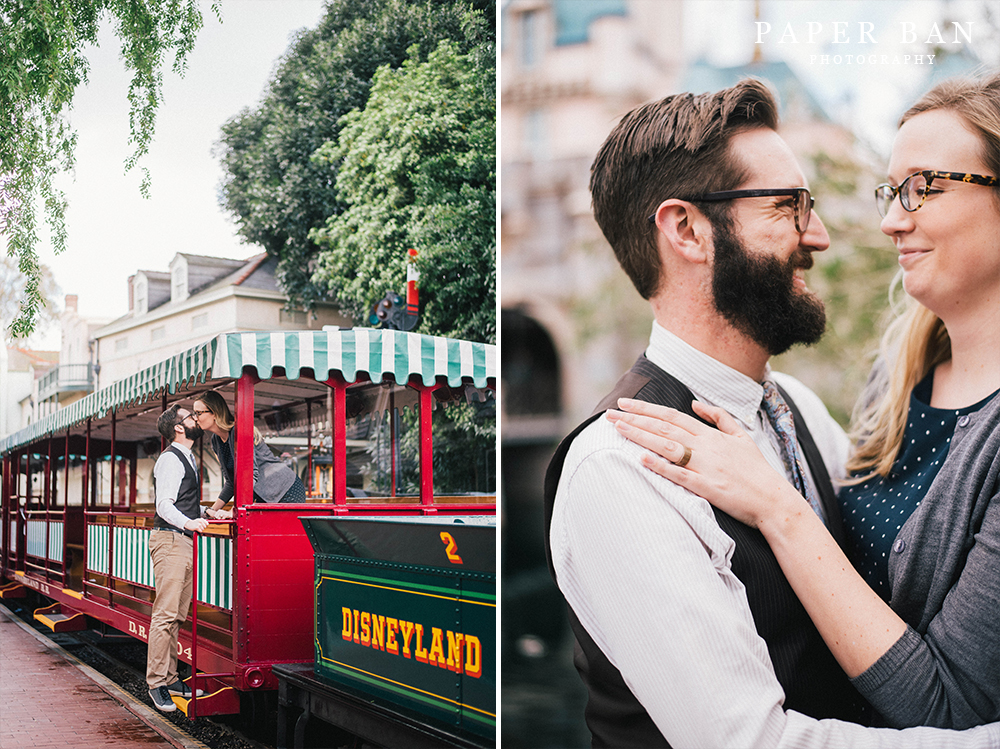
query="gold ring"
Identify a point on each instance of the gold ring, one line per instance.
(684, 458)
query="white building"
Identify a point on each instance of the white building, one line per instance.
(20, 371)
(73, 375)
(198, 298)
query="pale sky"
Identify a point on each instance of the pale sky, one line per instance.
(869, 97)
(113, 230)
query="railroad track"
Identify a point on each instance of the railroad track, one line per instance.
(122, 660)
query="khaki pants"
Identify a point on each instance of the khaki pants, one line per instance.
(172, 562)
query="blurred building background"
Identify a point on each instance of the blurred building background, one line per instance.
(572, 322)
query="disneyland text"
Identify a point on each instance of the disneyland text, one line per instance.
(463, 652)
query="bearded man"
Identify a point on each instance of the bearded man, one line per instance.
(178, 516)
(688, 633)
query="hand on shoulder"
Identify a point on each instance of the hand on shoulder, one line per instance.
(722, 465)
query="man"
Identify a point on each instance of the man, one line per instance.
(178, 515)
(688, 633)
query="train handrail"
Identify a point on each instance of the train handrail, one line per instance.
(194, 619)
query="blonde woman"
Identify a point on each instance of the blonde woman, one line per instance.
(273, 481)
(917, 624)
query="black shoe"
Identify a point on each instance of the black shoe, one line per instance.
(161, 700)
(182, 690)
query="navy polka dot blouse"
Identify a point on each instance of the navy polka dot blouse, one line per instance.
(874, 511)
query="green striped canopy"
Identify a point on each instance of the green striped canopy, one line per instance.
(324, 353)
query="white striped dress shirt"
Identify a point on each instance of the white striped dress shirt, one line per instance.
(169, 473)
(645, 567)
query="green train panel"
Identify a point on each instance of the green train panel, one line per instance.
(133, 563)
(35, 531)
(406, 614)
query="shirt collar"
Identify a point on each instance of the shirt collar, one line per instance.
(184, 449)
(709, 379)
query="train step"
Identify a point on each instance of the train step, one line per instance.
(60, 618)
(218, 699)
(13, 590)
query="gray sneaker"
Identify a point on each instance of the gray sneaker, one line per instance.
(161, 700)
(182, 690)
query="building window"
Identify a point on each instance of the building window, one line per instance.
(529, 38)
(199, 321)
(157, 334)
(179, 283)
(295, 316)
(140, 298)
(535, 139)
(121, 344)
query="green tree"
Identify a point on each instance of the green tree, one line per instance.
(276, 194)
(42, 62)
(12, 292)
(417, 169)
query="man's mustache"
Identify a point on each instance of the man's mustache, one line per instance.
(802, 259)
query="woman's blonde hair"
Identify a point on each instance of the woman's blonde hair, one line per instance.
(917, 341)
(223, 416)
(912, 346)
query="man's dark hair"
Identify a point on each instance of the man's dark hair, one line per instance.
(674, 148)
(167, 421)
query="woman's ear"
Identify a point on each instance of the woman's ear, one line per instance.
(686, 230)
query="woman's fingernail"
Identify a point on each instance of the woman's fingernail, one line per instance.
(625, 402)
(622, 426)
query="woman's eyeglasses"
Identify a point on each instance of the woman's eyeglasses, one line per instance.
(913, 190)
(803, 202)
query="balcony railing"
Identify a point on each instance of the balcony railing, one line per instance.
(66, 378)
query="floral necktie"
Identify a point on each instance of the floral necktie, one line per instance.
(780, 416)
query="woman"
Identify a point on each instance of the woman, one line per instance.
(922, 504)
(273, 481)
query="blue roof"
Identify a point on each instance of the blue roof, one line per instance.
(955, 64)
(702, 77)
(573, 17)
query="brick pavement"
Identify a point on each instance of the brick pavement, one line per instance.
(46, 702)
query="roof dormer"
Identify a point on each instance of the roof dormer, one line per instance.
(150, 289)
(140, 294)
(179, 287)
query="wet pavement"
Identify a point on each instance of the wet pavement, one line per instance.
(48, 703)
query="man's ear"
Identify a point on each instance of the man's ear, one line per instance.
(685, 229)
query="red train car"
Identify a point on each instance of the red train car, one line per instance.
(376, 422)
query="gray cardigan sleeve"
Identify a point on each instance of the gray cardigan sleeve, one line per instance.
(945, 574)
(226, 493)
(271, 477)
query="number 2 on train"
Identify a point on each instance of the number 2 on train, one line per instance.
(451, 548)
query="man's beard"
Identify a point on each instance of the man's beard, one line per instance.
(756, 294)
(192, 433)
